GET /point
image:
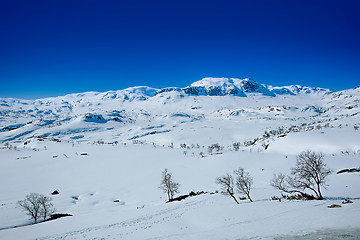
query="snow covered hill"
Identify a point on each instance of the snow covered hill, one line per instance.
(144, 113)
(104, 153)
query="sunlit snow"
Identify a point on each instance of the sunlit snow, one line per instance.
(104, 153)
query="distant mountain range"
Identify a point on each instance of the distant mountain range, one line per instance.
(244, 87)
(158, 115)
(204, 87)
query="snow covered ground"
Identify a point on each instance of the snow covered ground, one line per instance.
(104, 153)
(90, 184)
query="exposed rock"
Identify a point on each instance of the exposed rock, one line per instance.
(55, 192)
(346, 201)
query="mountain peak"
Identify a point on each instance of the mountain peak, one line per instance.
(214, 87)
(212, 81)
(243, 87)
(227, 86)
(208, 86)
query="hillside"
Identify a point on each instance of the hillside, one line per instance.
(211, 107)
(104, 153)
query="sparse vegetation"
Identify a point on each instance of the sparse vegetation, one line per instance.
(226, 183)
(310, 172)
(168, 185)
(182, 197)
(236, 146)
(215, 147)
(243, 182)
(37, 206)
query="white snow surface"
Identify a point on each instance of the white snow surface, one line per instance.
(104, 153)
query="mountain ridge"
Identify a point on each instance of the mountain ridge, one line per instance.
(208, 86)
(164, 115)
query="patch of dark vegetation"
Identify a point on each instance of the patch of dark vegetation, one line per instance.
(351, 170)
(41, 138)
(334, 206)
(182, 197)
(149, 133)
(328, 234)
(58, 215)
(299, 196)
(116, 119)
(19, 158)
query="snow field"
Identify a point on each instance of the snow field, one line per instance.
(89, 184)
(104, 153)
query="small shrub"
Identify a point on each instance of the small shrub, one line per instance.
(334, 206)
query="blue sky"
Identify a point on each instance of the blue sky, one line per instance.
(51, 48)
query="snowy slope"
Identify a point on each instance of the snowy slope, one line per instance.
(136, 113)
(129, 136)
(89, 185)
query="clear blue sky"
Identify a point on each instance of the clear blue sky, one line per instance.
(55, 47)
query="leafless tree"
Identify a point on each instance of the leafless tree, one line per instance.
(227, 185)
(284, 184)
(47, 207)
(213, 147)
(168, 185)
(236, 146)
(310, 172)
(37, 205)
(243, 182)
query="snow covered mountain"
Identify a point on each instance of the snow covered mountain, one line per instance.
(242, 88)
(159, 115)
(104, 154)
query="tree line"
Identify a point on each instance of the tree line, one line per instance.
(309, 173)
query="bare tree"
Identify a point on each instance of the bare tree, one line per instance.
(213, 147)
(47, 207)
(310, 172)
(168, 185)
(284, 184)
(236, 146)
(243, 182)
(227, 185)
(37, 205)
